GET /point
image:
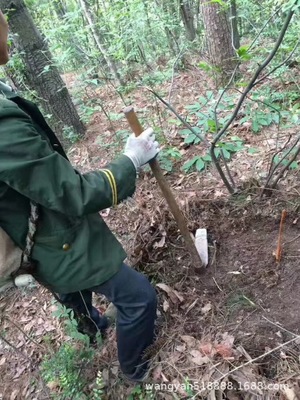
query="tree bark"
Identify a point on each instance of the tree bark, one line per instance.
(188, 16)
(220, 51)
(99, 42)
(234, 24)
(41, 75)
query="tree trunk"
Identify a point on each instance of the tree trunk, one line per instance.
(41, 75)
(218, 39)
(99, 43)
(234, 24)
(187, 16)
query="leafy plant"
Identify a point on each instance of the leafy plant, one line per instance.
(200, 163)
(139, 393)
(69, 134)
(167, 157)
(62, 370)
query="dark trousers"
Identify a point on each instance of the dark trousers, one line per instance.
(135, 300)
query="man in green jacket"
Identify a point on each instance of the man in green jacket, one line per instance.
(75, 252)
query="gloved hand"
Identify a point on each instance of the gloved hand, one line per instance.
(141, 149)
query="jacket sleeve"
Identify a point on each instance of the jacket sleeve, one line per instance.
(30, 166)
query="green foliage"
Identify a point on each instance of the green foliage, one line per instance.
(200, 163)
(98, 389)
(280, 159)
(167, 157)
(139, 393)
(63, 369)
(243, 53)
(70, 135)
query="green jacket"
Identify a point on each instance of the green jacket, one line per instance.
(74, 249)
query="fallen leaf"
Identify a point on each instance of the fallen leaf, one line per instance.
(206, 308)
(166, 306)
(207, 349)
(181, 348)
(198, 358)
(227, 339)
(289, 393)
(173, 294)
(224, 350)
(157, 372)
(178, 295)
(160, 243)
(189, 340)
(52, 385)
(165, 379)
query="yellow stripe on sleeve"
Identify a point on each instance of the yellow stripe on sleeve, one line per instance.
(112, 187)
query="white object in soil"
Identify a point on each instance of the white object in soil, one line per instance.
(202, 245)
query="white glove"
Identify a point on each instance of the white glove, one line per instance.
(141, 149)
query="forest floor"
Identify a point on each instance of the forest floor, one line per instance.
(231, 329)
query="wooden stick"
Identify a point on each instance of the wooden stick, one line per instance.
(166, 190)
(278, 252)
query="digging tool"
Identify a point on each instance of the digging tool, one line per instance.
(137, 129)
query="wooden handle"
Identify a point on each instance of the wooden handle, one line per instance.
(133, 121)
(166, 190)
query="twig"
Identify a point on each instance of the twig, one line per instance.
(242, 98)
(15, 348)
(278, 66)
(279, 326)
(253, 360)
(184, 122)
(22, 331)
(263, 28)
(292, 240)
(173, 73)
(275, 166)
(216, 283)
(286, 167)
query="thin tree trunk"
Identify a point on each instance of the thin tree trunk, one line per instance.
(220, 51)
(98, 40)
(41, 74)
(234, 24)
(187, 16)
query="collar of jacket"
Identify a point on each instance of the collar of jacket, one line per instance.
(34, 113)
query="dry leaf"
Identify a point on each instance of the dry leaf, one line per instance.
(166, 306)
(164, 287)
(198, 358)
(178, 295)
(52, 385)
(206, 308)
(160, 243)
(227, 339)
(164, 378)
(181, 348)
(157, 372)
(207, 349)
(224, 350)
(189, 340)
(289, 393)
(173, 294)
